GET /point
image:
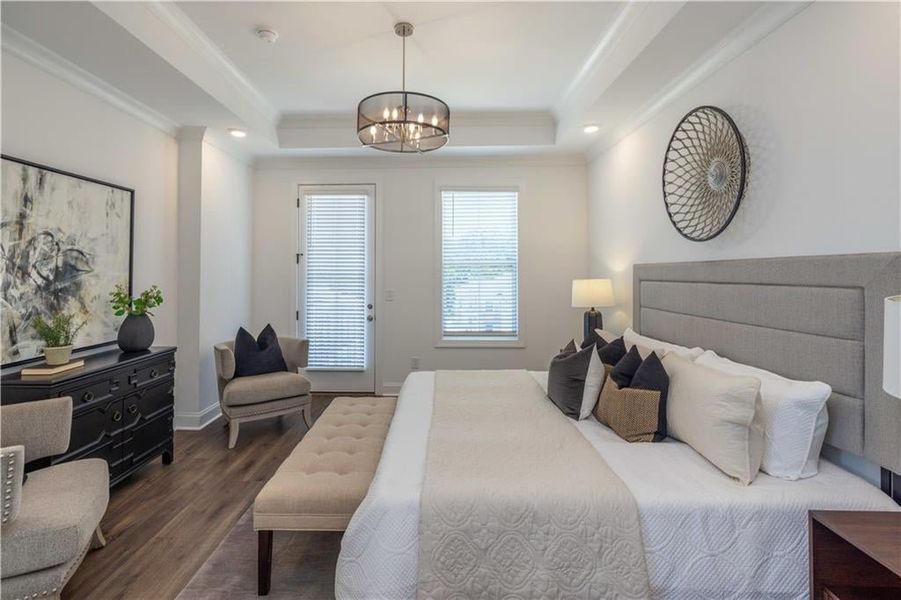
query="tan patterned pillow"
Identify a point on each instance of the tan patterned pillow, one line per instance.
(630, 412)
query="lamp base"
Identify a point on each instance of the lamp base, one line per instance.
(592, 320)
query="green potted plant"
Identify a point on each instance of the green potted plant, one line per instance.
(58, 334)
(136, 332)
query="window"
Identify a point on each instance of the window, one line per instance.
(479, 265)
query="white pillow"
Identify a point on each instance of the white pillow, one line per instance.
(634, 339)
(794, 418)
(594, 381)
(716, 414)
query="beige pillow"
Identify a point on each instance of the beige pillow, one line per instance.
(717, 414)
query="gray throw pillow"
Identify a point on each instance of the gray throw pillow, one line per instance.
(566, 380)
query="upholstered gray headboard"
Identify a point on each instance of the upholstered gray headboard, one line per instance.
(812, 317)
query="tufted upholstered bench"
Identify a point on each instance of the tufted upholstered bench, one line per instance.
(324, 479)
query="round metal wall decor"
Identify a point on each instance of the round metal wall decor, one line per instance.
(704, 173)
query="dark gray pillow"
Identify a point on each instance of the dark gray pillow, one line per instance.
(566, 380)
(611, 353)
(258, 356)
(652, 376)
(624, 370)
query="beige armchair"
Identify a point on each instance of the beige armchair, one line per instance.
(51, 521)
(262, 396)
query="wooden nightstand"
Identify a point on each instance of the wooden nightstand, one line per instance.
(855, 555)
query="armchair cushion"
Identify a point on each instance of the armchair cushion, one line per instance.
(263, 388)
(43, 426)
(61, 507)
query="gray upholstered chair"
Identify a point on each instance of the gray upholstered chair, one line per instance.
(262, 396)
(51, 521)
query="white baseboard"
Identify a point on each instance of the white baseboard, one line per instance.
(191, 421)
(391, 388)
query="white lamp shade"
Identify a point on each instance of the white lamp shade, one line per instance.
(891, 354)
(592, 292)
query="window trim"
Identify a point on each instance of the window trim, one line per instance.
(473, 341)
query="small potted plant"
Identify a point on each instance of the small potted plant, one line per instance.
(136, 332)
(58, 335)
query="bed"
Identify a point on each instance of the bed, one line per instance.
(703, 535)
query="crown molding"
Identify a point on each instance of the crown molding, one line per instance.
(26, 49)
(184, 27)
(762, 23)
(427, 161)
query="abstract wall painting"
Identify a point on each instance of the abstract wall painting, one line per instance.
(65, 242)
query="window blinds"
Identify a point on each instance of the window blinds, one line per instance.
(335, 291)
(479, 264)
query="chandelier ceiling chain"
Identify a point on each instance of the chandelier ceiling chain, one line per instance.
(403, 121)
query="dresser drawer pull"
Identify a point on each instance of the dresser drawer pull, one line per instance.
(154, 373)
(87, 396)
(132, 409)
(117, 416)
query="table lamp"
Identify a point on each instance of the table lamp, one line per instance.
(590, 294)
(891, 354)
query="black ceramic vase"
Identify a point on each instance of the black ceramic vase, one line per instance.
(136, 333)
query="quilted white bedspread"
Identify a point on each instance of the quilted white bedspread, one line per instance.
(704, 535)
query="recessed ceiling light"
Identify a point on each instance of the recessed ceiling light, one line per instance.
(590, 129)
(238, 133)
(270, 36)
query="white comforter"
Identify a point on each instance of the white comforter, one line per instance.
(705, 536)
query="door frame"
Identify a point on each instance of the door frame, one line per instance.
(332, 183)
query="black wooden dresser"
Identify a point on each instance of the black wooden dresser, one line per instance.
(123, 405)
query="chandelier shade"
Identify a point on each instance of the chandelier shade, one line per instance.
(403, 122)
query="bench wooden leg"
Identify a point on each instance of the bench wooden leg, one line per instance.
(264, 563)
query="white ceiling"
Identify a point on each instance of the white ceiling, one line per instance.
(520, 78)
(474, 56)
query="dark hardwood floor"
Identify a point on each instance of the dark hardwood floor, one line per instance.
(165, 521)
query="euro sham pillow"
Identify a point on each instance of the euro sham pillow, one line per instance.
(258, 356)
(717, 414)
(795, 418)
(637, 413)
(568, 380)
(632, 338)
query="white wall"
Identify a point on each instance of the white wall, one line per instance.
(50, 122)
(817, 102)
(225, 253)
(553, 251)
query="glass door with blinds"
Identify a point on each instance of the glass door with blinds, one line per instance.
(335, 296)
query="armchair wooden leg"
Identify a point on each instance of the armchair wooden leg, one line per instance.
(264, 562)
(307, 413)
(233, 427)
(97, 540)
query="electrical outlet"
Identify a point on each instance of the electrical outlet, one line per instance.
(414, 363)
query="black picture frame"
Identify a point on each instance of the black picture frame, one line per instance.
(131, 243)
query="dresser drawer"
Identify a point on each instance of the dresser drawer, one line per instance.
(96, 426)
(149, 402)
(152, 373)
(146, 438)
(94, 392)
